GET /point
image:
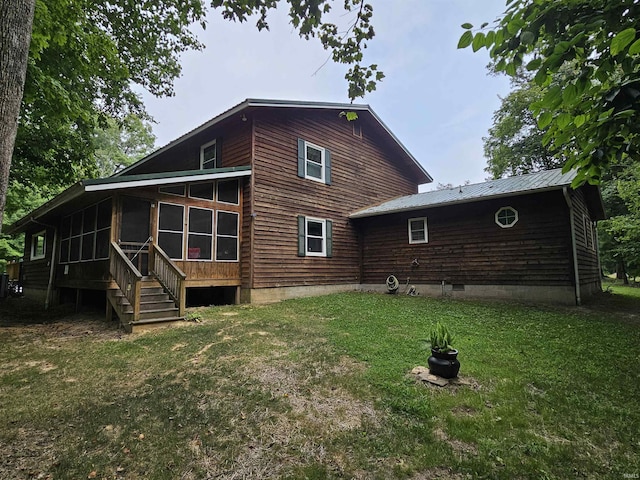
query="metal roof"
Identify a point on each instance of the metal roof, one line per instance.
(129, 181)
(257, 103)
(504, 187)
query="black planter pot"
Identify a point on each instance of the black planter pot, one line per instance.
(445, 365)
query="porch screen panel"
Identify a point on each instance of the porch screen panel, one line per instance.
(200, 234)
(170, 229)
(88, 232)
(103, 229)
(65, 239)
(227, 237)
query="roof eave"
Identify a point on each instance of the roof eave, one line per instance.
(253, 102)
(363, 214)
(74, 191)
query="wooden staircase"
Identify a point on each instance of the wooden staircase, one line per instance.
(156, 307)
(143, 302)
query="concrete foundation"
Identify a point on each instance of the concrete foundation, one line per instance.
(276, 294)
(563, 295)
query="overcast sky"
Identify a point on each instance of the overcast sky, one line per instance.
(436, 99)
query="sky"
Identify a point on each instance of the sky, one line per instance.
(438, 100)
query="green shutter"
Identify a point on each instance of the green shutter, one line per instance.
(301, 157)
(327, 166)
(302, 247)
(329, 238)
(218, 153)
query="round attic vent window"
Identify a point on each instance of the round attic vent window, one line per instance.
(507, 217)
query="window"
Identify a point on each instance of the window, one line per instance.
(203, 191)
(200, 239)
(418, 230)
(228, 192)
(85, 235)
(506, 217)
(588, 233)
(177, 190)
(315, 237)
(227, 236)
(210, 154)
(171, 229)
(38, 245)
(314, 162)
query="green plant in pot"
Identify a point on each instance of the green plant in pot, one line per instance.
(443, 360)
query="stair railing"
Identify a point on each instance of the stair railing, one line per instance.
(169, 275)
(127, 277)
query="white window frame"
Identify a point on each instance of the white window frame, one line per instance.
(218, 235)
(184, 220)
(217, 191)
(34, 238)
(164, 192)
(213, 191)
(413, 241)
(507, 225)
(210, 235)
(589, 234)
(323, 253)
(323, 164)
(202, 149)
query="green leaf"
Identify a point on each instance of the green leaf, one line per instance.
(527, 37)
(544, 120)
(514, 25)
(478, 41)
(579, 120)
(569, 94)
(621, 40)
(553, 97)
(534, 64)
(465, 39)
(563, 120)
(634, 49)
(467, 26)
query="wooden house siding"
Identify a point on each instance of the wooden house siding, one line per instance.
(586, 241)
(235, 136)
(466, 246)
(35, 273)
(363, 173)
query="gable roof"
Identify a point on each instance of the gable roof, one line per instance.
(503, 187)
(266, 103)
(117, 183)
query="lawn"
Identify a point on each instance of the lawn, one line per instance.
(320, 388)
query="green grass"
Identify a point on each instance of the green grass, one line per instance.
(320, 388)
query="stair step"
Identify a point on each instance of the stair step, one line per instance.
(145, 324)
(156, 304)
(158, 313)
(154, 297)
(151, 290)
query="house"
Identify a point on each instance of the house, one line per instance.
(277, 199)
(530, 237)
(251, 206)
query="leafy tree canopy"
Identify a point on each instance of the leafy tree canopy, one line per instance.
(593, 117)
(87, 57)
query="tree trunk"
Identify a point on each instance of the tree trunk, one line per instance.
(16, 20)
(621, 272)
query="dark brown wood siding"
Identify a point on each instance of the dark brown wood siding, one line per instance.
(234, 134)
(466, 246)
(35, 273)
(586, 240)
(365, 171)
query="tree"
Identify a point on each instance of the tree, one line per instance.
(593, 118)
(514, 145)
(85, 57)
(120, 144)
(15, 32)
